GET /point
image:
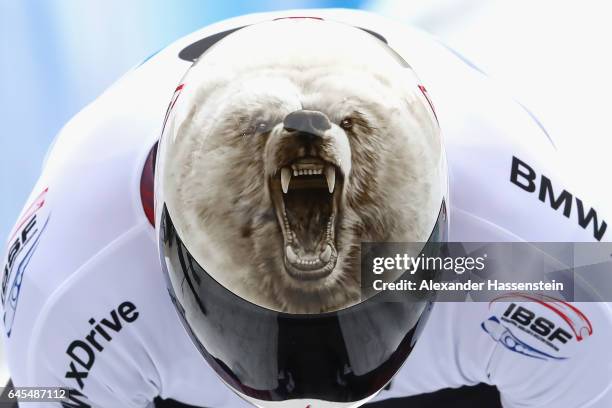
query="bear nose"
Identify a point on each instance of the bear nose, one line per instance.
(307, 121)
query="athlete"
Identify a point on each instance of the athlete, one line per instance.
(124, 281)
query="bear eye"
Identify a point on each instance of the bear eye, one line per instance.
(262, 126)
(255, 128)
(346, 123)
(248, 131)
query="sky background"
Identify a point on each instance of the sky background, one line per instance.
(57, 56)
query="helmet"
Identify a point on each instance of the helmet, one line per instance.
(288, 144)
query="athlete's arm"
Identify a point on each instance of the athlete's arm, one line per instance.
(502, 345)
(579, 374)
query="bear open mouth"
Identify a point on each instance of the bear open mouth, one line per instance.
(306, 195)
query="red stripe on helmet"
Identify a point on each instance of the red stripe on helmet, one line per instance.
(147, 185)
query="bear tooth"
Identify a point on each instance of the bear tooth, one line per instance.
(285, 179)
(330, 175)
(291, 256)
(325, 256)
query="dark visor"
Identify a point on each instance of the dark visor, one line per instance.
(341, 356)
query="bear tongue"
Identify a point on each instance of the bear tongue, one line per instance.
(308, 212)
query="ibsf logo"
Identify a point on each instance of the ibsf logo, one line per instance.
(538, 325)
(22, 245)
(555, 325)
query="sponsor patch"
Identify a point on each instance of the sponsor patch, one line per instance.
(83, 352)
(525, 177)
(22, 244)
(538, 327)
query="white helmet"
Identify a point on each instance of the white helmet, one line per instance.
(287, 145)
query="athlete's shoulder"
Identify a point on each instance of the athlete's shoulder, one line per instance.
(50, 290)
(557, 348)
(95, 330)
(108, 330)
(85, 205)
(111, 335)
(508, 181)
